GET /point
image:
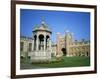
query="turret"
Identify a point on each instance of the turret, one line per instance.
(68, 41)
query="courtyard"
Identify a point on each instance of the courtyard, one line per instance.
(77, 61)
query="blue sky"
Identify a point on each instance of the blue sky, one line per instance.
(59, 21)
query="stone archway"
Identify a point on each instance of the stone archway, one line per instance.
(35, 37)
(64, 51)
(41, 42)
(47, 41)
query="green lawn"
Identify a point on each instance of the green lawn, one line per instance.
(64, 62)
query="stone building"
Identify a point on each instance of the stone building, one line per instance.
(66, 45)
(25, 46)
(40, 46)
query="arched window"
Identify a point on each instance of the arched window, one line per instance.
(30, 46)
(21, 46)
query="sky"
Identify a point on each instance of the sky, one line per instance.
(59, 21)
